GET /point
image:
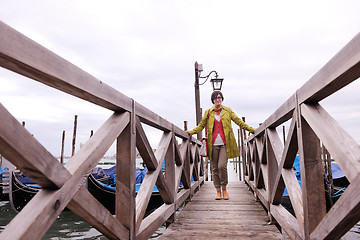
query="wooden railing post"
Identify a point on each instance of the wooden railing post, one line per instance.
(312, 181)
(170, 174)
(125, 207)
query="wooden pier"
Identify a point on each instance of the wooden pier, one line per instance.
(240, 217)
(267, 162)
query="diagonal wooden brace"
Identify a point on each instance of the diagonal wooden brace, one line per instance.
(49, 203)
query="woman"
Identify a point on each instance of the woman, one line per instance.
(221, 143)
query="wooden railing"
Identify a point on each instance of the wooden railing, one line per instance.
(62, 185)
(269, 162)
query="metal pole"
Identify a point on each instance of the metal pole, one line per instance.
(197, 99)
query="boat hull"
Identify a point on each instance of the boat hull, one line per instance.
(106, 196)
(20, 194)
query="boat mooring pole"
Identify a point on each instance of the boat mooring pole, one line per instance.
(74, 136)
(62, 148)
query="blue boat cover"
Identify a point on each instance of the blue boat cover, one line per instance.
(336, 172)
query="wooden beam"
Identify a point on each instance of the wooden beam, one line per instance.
(53, 202)
(144, 148)
(164, 189)
(180, 154)
(342, 216)
(125, 208)
(152, 222)
(97, 215)
(274, 151)
(285, 175)
(312, 182)
(263, 196)
(181, 197)
(17, 54)
(178, 157)
(343, 148)
(185, 174)
(171, 189)
(295, 194)
(286, 221)
(144, 194)
(260, 147)
(18, 146)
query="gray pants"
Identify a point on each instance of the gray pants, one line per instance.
(219, 167)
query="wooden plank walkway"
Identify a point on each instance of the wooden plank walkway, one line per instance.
(241, 217)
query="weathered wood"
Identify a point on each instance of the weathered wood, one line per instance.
(185, 174)
(273, 153)
(312, 123)
(261, 164)
(262, 195)
(206, 218)
(152, 222)
(181, 197)
(144, 148)
(243, 154)
(179, 161)
(151, 177)
(17, 54)
(125, 208)
(17, 145)
(272, 169)
(312, 182)
(285, 174)
(250, 150)
(309, 124)
(170, 171)
(342, 216)
(287, 222)
(97, 215)
(54, 201)
(343, 148)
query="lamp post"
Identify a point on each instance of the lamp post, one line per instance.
(216, 83)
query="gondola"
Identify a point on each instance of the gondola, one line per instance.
(3, 196)
(22, 190)
(105, 194)
(101, 184)
(340, 183)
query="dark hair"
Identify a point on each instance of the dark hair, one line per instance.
(215, 94)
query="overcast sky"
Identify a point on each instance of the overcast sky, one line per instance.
(264, 50)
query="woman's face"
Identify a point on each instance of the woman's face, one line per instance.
(218, 101)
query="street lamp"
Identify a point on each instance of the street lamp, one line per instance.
(216, 83)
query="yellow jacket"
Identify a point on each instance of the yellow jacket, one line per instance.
(227, 115)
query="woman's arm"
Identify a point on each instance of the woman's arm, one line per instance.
(240, 122)
(201, 125)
